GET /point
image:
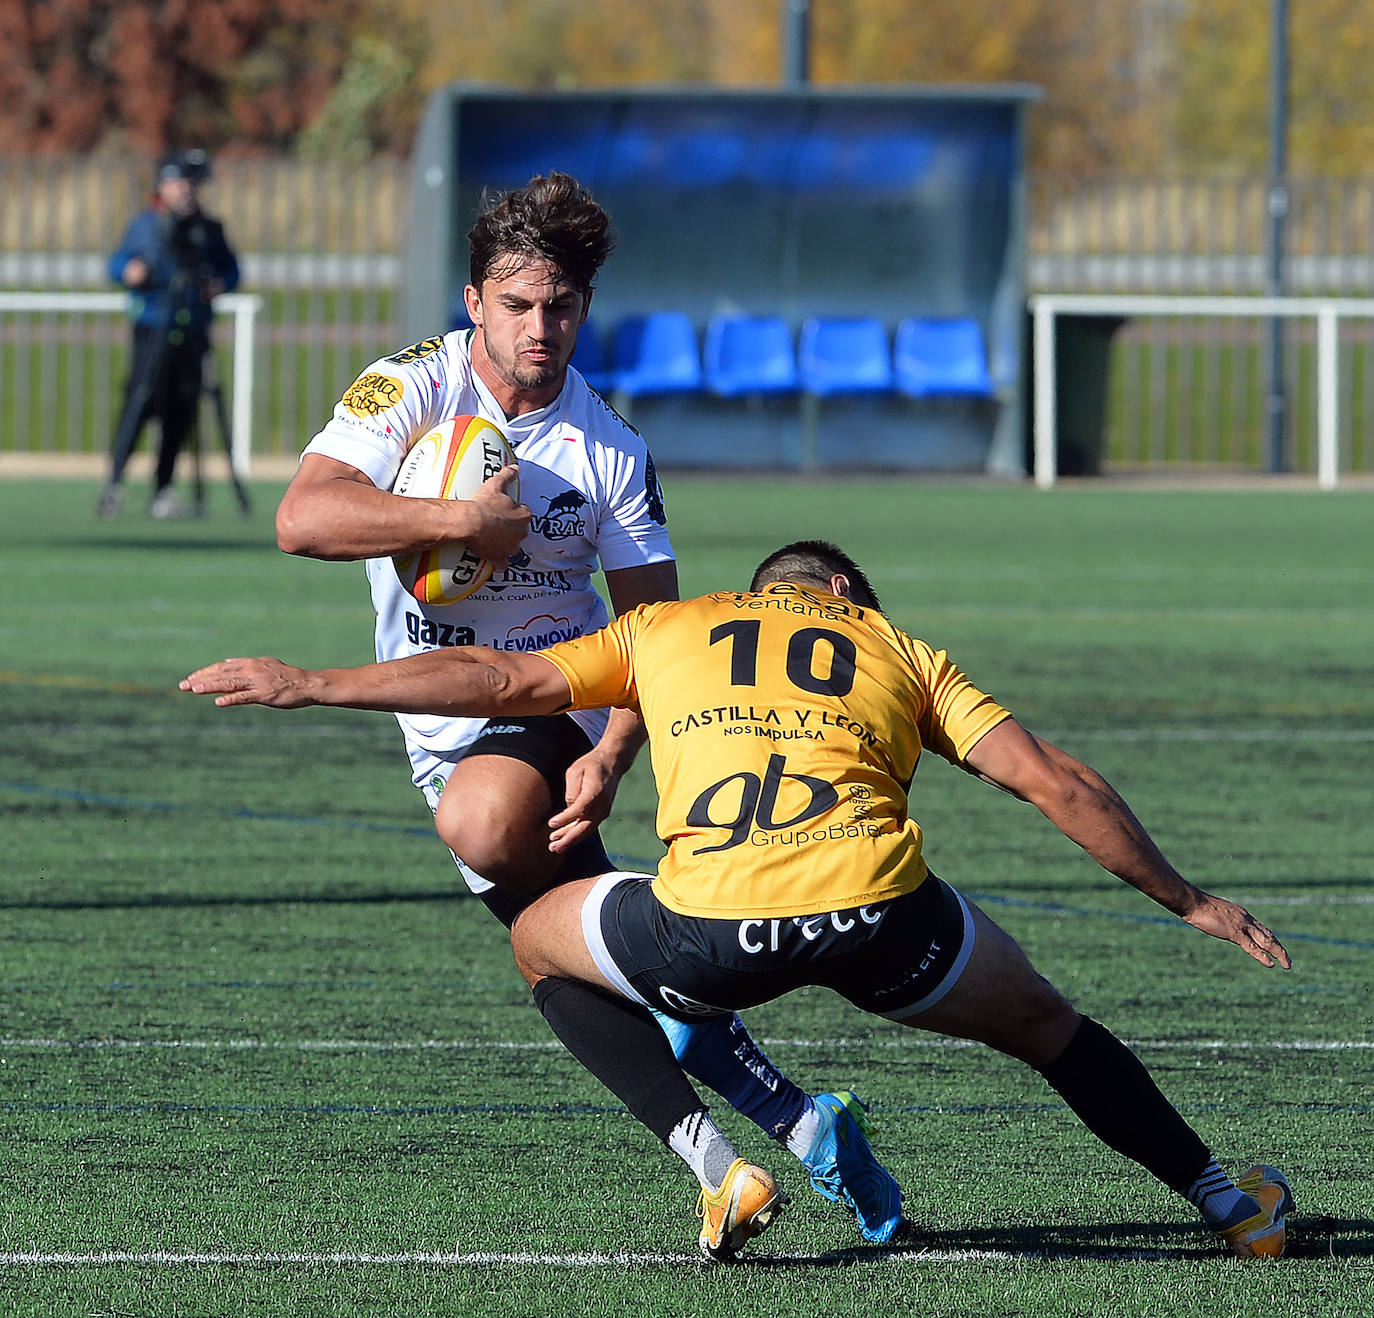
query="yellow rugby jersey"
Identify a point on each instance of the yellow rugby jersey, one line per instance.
(784, 729)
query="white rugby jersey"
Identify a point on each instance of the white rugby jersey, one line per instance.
(585, 474)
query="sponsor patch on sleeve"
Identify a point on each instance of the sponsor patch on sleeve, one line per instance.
(424, 348)
(372, 394)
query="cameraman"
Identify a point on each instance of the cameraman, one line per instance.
(175, 260)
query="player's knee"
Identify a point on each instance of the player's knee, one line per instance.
(504, 850)
(1037, 1024)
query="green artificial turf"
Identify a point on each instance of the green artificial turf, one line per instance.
(262, 1054)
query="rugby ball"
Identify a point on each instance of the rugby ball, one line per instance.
(451, 461)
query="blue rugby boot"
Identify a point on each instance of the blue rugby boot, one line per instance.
(846, 1171)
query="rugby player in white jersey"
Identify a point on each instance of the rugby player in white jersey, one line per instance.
(518, 801)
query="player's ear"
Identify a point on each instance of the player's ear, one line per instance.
(839, 585)
(586, 303)
(472, 300)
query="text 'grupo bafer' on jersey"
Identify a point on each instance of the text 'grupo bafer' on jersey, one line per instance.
(784, 729)
(585, 474)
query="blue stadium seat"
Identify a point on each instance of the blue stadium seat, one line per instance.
(941, 359)
(656, 354)
(844, 355)
(589, 356)
(749, 355)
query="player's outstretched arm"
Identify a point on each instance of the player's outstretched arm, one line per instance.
(1089, 811)
(468, 681)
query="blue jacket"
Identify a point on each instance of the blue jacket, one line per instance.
(193, 248)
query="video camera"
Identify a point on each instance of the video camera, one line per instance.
(189, 237)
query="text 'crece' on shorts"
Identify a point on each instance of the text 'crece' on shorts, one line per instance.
(895, 958)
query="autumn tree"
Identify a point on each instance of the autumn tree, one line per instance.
(1132, 85)
(1221, 106)
(1096, 111)
(76, 75)
(551, 44)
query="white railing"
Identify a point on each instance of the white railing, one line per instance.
(1327, 312)
(243, 307)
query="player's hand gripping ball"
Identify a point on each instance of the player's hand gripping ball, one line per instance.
(451, 461)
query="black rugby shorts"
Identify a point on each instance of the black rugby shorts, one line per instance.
(548, 743)
(892, 958)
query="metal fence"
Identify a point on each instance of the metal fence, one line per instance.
(322, 243)
(1191, 391)
(1198, 235)
(319, 242)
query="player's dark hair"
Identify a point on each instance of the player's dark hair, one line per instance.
(813, 563)
(553, 218)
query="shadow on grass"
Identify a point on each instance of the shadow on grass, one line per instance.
(1308, 1238)
(219, 540)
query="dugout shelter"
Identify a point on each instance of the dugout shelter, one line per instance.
(861, 249)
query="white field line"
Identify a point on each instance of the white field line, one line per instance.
(552, 1045)
(436, 1258)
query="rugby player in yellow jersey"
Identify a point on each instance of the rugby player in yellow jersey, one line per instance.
(785, 724)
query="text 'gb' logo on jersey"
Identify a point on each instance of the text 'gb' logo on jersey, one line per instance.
(757, 802)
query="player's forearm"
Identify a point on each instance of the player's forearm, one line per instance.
(348, 520)
(1089, 812)
(622, 740)
(452, 682)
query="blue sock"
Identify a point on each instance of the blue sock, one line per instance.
(722, 1054)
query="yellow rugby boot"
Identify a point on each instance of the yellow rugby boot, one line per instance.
(746, 1205)
(1264, 1234)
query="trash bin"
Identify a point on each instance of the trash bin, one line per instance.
(1082, 353)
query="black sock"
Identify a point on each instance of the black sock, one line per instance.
(1107, 1085)
(621, 1044)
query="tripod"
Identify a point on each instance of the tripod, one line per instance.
(210, 385)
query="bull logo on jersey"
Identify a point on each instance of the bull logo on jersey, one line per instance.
(560, 520)
(567, 502)
(758, 798)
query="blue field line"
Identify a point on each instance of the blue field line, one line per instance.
(1135, 917)
(185, 985)
(174, 807)
(633, 863)
(320, 1109)
(168, 1108)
